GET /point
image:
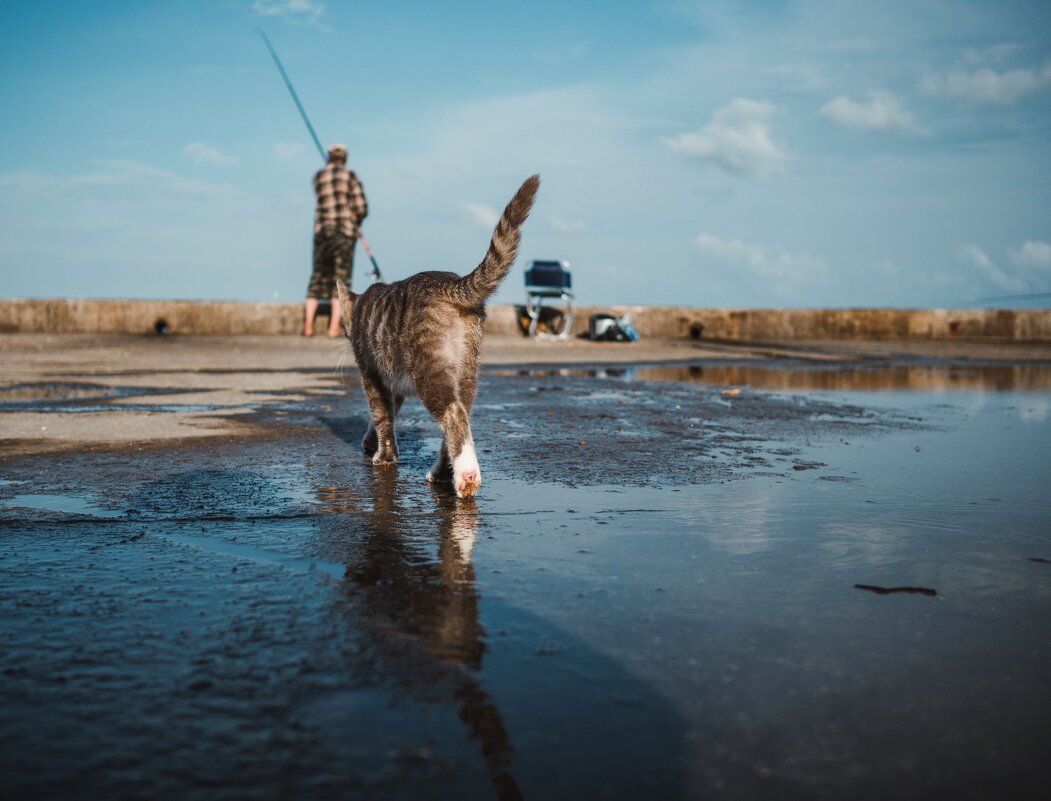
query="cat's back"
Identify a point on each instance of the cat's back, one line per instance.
(396, 324)
(416, 289)
(424, 293)
(426, 287)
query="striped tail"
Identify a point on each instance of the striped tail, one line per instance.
(473, 289)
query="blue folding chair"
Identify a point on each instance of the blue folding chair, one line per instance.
(547, 287)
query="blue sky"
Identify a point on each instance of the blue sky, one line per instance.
(749, 153)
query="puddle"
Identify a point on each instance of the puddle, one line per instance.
(85, 398)
(238, 551)
(49, 392)
(69, 397)
(63, 504)
(939, 377)
(671, 594)
(157, 408)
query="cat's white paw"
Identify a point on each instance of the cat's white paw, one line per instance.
(467, 484)
(467, 476)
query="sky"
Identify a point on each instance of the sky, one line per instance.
(758, 153)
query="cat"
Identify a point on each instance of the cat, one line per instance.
(422, 336)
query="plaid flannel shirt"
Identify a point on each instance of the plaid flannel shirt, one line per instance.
(341, 204)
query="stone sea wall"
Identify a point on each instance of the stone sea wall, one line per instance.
(185, 317)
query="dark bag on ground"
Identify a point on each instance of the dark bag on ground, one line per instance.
(607, 328)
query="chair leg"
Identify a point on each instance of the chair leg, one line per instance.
(567, 317)
(533, 310)
(567, 324)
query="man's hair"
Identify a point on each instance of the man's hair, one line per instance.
(337, 152)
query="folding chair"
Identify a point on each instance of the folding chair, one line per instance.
(547, 287)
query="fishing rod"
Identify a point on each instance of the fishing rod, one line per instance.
(376, 274)
(1007, 298)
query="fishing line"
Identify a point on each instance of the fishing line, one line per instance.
(376, 274)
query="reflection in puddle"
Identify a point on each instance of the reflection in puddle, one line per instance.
(67, 504)
(73, 398)
(419, 611)
(339, 499)
(238, 550)
(47, 394)
(87, 398)
(159, 408)
(53, 391)
(839, 377)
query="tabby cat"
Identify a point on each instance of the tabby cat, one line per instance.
(422, 336)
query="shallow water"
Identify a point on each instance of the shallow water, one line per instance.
(876, 376)
(71, 397)
(64, 504)
(282, 619)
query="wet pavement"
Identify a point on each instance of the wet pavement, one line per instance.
(730, 578)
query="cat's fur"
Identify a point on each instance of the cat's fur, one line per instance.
(422, 336)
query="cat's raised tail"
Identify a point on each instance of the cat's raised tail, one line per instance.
(473, 289)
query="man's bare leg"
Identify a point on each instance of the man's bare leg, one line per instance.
(333, 321)
(308, 325)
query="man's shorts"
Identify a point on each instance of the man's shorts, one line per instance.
(333, 258)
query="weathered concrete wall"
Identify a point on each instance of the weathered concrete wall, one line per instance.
(780, 325)
(757, 325)
(146, 316)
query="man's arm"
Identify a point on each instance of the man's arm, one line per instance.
(358, 204)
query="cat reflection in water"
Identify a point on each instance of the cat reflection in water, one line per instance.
(422, 336)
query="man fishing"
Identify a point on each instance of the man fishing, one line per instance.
(341, 206)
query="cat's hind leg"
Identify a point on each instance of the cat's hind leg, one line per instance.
(370, 442)
(442, 468)
(459, 446)
(457, 449)
(380, 435)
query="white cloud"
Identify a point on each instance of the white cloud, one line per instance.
(129, 229)
(288, 151)
(207, 156)
(985, 85)
(766, 261)
(882, 112)
(731, 250)
(567, 226)
(990, 270)
(799, 76)
(118, 177)
(482, 215)
(1032, 254)
(737, 139)
(996, 53)
(301, 9)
